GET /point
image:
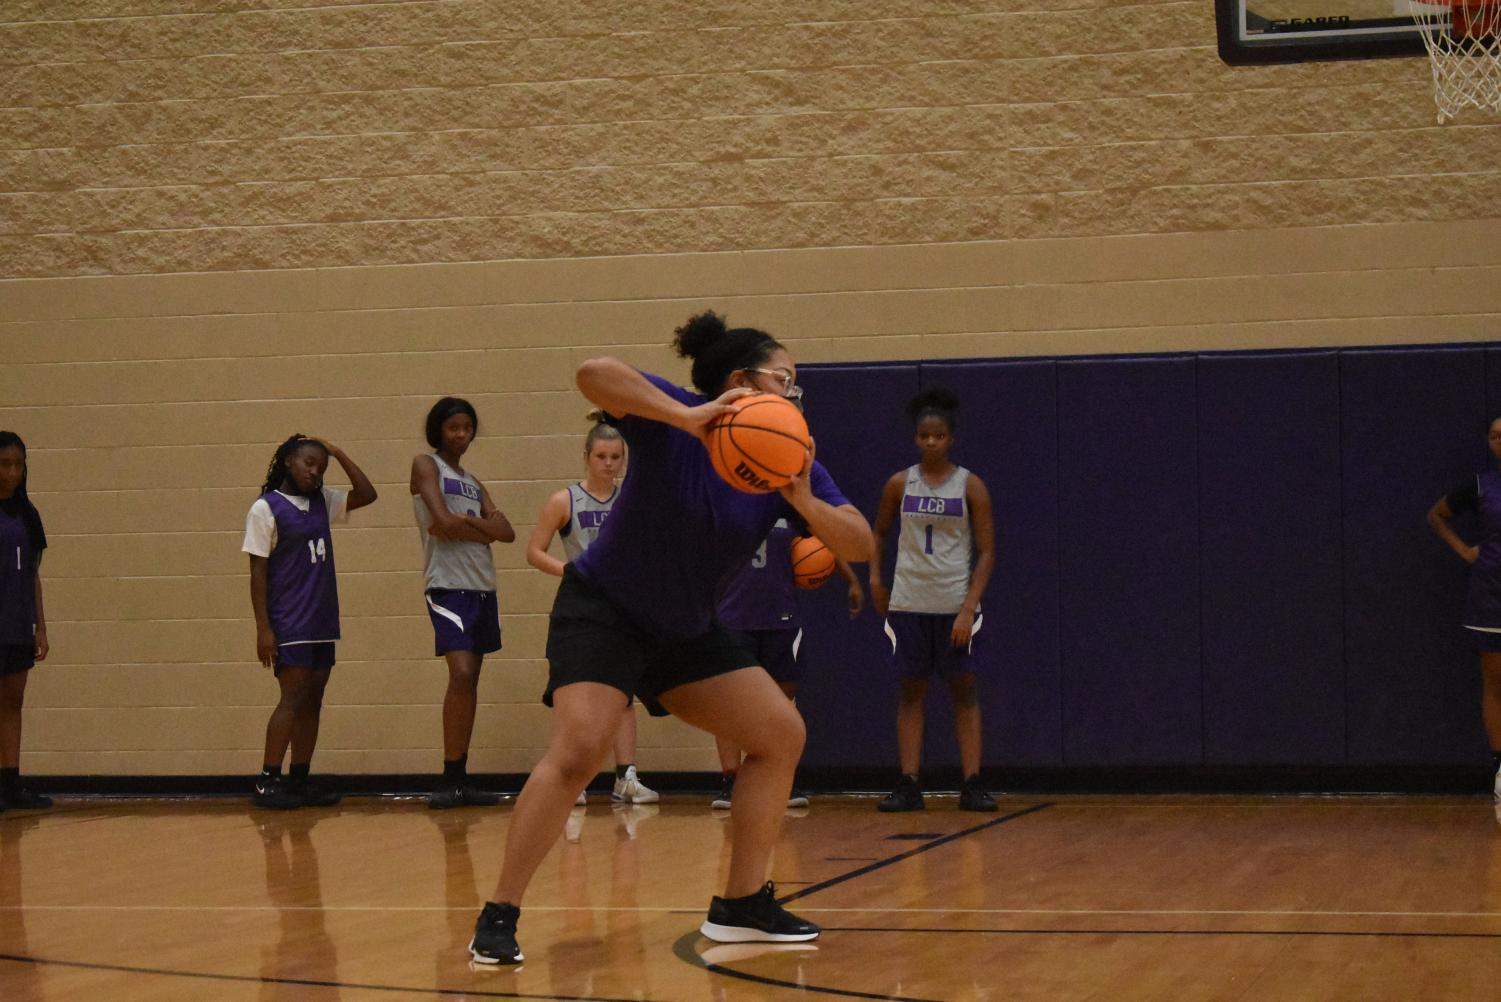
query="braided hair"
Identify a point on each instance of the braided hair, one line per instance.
(31, 519)
(935, 401)
(276, 472)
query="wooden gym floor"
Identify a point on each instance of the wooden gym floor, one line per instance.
(1171, 898)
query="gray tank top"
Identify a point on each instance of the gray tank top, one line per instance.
(586, 514)
(935, 551)
(457, 564)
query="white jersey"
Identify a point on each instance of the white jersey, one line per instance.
(586, 513)
(935, 550)
(457, 564)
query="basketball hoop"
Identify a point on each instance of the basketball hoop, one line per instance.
(1463, 38)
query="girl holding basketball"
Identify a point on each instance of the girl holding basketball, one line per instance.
(1482, 612)
(576, 514)
(945, 554)
(759, 604)
(457, 521)
(634, 615)
(23, 621)
(296, 602)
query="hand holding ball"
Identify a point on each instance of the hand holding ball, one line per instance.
(760, 445)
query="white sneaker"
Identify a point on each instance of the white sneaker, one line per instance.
(630, 790)
(1496, 787)
(583, 800)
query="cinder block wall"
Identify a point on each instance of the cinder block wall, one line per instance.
(221, 222)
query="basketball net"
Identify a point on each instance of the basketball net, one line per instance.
(1463, 38)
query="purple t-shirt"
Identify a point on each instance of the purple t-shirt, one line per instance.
(761, 595)
(17, 578)
(302, 597)
(677, 529)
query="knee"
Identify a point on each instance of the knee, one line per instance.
(914, 690)
(578, 760)
(781, 735)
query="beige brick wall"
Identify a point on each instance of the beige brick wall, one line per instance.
(224, 221)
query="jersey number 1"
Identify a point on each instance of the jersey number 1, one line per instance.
(316, 550)
(928, 541)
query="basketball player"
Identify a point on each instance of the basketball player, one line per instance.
(576, 514)
(759, 604)
(1482, 612)
(296, 603)
(634, 615)
(23, 621)
(945, 553)
(457, 522)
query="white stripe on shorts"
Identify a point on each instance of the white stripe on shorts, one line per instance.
(445, 613)
(797, 643)
(890, 634)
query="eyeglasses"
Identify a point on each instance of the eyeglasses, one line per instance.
(790, 389)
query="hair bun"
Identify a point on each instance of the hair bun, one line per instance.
(694, 337)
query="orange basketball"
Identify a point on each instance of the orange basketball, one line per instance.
(812, 562)
(760, 445)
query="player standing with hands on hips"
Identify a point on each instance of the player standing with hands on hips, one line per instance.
(635, 615)
(945, 554)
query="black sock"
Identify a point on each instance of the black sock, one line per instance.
(911, 778)
(456, 770)
(271, 772)
(297, 774)
(621, 767)
(10, 780)
(1495, 761)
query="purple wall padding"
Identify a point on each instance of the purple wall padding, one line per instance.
(1269, 542)
(1008, 435)
(1412, 424)
(848, 694)
(1128, 523)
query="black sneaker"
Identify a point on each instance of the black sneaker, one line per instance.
(273, 793)
(972, 796)
(755, 918)
(494, 939)
(722, 802)
(22, 799)
(461, 795)
(906, 797)
(315, 795)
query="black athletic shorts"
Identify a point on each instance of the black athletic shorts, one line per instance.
(591, 639)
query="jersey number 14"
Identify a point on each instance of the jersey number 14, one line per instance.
(317, 550)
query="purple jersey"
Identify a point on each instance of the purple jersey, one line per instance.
(677, 529)
(761, 595)
(1483, 602)
(302, 599)
(17, 579)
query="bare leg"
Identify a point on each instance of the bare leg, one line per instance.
(287, 725)
(460, 701)
(747, 708)
(12, 695)
(966, 698)
(585, 715)
(909, 724)
(625, 737)
(1490, 696)
(306, 713)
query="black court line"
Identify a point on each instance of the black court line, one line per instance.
(889, 860)
(306, 982)
(850, 859)
(1176, 932)
(684, 950)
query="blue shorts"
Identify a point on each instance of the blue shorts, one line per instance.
(463, 620)
(921, 644)
(16, 658)
(776, 651)
(318, 655)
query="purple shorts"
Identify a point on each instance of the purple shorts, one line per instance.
(1483, 641)
(318, 656)
(920, 644)
(463, 620)
(776, 651)
(16, 658)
